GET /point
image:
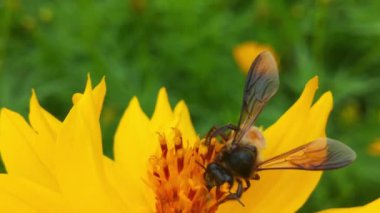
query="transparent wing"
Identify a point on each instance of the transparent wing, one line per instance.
(261, 84)
(321, 154)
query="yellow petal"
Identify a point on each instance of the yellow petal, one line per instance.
(98, 96)
(42, 120)
(46, 127)
(163, 114)
(318, 117)
(76, 97)
(163, 120)
(21, 152)
(99, 93)
(21, 195)
(134, 145)
(13, 204)
(297, 126)
(117, 182)
(184, 123)
(372, 207)
(79, 161)
(290, 124)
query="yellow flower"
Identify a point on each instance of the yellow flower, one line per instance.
(372, 207)
(374, 147)
(55, 166)
(245, 52)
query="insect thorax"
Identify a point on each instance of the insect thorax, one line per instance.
(241, 160)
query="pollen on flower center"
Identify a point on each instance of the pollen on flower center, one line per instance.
(177, 176)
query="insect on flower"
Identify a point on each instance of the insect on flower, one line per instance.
(239, 158)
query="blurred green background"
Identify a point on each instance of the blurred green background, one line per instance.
(186, 46)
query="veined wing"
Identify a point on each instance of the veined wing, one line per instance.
(261, 84)
(320, 154)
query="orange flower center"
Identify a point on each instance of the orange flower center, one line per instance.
(178, 180)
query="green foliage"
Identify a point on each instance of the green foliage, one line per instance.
(186, 46)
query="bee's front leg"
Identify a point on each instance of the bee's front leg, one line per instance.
(214, 132)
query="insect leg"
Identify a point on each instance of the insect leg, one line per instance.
(213, 132)
(235, 196)
(247, 183)
(255, 177)
(208, 136)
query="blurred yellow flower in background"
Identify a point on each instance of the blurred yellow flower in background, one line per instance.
(372, 207)
(374, 147)
(246, 52)
(55, 166)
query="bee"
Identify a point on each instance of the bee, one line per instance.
(238, 160)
